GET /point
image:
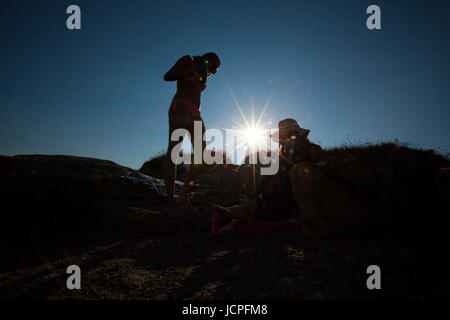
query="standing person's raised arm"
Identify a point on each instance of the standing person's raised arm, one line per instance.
(183, 68)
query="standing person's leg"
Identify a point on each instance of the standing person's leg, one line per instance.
(177, 120)
(169, 164)
(193, 170)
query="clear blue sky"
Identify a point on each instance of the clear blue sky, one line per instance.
(99, 92)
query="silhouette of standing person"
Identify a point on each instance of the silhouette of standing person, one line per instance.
(190, 74)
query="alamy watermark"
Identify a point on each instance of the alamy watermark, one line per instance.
(268, 158)
(74, 280)
(374, 20)
(74, 20)
(374, 281)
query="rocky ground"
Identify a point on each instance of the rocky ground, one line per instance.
(59, 210)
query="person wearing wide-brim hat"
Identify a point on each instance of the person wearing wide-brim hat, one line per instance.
(289, 129)
(294, 143)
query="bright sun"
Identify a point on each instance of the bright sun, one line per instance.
(254, 136)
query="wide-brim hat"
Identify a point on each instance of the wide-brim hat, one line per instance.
(288, 129)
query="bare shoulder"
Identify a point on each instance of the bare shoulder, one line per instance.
(183, 64)
(185, 60)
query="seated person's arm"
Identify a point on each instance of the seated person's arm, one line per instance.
(183, 68)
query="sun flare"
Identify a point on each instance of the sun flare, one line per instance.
(252, 131)
(254, 136)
